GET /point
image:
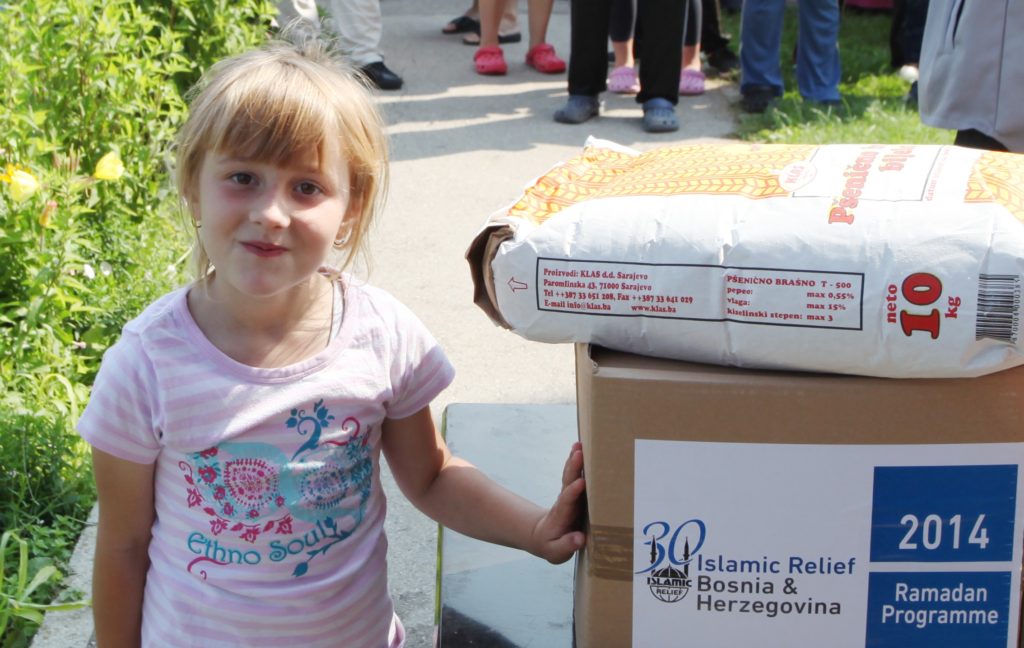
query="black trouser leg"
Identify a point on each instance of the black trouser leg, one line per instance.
(588, 46)
(661, 22)
(711, 38)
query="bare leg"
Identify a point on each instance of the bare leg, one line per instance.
(509, 17)
(623, 51)
(490, 18)
(691, 57)
(539, 16)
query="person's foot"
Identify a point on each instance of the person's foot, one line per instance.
(660, 116)
(911, 97)
(503, 39)
(490, 61)
(756, 99)
(381, 77)
(723, 60)
(623, 80)
(827, 104)
(543, 59)
(578, 109)
(462, 25)
(691, 82)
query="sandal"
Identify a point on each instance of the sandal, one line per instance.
(490, 61)
(660, 116)
(691, 82)
(461, 25)
(623, 80)
(543, 59)
(473, 38)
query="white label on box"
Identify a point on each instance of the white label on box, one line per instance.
(811, 545)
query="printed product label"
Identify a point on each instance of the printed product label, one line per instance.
(714, 293)
(805, 545)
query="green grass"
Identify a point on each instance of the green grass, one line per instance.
(873, 107)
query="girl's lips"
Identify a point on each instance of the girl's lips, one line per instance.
(259, 248)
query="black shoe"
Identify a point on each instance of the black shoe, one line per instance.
(756, 99)
(380, 76)
(723, 60)
(911, 97)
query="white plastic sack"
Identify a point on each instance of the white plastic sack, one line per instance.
(900, 261)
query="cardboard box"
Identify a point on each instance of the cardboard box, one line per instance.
(870, 495)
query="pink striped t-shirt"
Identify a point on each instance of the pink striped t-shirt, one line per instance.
(269, 506)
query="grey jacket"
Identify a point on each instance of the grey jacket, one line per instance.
(972, 68)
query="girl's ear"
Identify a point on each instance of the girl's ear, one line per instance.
(353, 213)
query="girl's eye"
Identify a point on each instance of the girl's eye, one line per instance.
(242, 178)
(307, 189)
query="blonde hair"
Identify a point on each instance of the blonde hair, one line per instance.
(272, 104)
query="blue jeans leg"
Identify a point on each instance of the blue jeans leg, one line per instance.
(760, 40)
(817, 57)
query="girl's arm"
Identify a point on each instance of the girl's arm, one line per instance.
(459, 496)
(125, 491)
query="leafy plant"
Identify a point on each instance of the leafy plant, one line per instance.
(93, 95)
(16, 590)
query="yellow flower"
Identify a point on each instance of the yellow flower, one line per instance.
(47, 213)
(109, 167)
(9, 172)
(23, 184)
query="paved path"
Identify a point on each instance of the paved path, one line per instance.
(463, 146)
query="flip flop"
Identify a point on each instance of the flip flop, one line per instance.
(691, 82)
(473, 38)
(461, 25)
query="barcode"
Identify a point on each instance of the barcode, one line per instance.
(998, 308)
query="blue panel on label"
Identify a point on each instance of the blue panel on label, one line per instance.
(943, 513)
(928, 609)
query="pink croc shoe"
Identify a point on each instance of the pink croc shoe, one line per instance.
(490, 61)
(543, 59)
(623, 80)
(691, 82)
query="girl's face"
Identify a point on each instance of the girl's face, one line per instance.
(268, 228)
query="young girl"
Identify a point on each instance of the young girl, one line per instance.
(237, 426)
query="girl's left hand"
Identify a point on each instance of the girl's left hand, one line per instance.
(557, 535)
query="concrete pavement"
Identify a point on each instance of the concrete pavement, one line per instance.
(463, 146)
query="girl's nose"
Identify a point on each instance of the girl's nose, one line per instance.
(273, 210)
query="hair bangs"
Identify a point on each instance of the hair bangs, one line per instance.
(277, 115)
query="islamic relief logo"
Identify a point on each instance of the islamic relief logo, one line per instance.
(668, 575)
